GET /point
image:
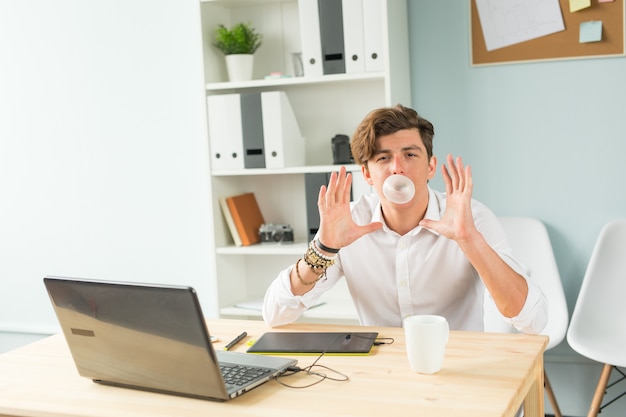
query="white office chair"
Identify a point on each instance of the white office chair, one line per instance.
(597, 330)
(532, 247)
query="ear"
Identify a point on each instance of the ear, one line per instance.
(366, 174)
(432, 167)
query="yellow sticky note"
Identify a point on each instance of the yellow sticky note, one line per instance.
(576, 5)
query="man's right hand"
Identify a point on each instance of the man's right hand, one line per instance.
(337, 228)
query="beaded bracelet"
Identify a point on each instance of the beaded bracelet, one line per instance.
(303, 282)
(313, 246)
(317, 260)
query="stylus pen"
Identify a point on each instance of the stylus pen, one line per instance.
(236, 340)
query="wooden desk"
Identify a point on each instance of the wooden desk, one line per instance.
(484, 374)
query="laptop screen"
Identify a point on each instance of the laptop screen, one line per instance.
(136, 335)
(172, 314)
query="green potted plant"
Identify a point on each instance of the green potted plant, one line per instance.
(238, 44)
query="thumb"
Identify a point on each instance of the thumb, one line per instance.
(372, 227)
(427, 223)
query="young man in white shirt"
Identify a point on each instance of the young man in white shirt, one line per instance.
(435, 254)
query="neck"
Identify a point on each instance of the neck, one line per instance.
(403, 220)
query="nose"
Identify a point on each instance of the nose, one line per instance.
(397, 165)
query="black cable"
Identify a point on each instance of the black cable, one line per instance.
(322, 376)
(387, 341)
(292, 370)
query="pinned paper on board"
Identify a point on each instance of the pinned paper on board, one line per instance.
(590, 31)
(508, 22)
(576, 5)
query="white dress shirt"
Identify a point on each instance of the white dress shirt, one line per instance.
(391, 276)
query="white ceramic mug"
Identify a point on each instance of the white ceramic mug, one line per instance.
(426, 338)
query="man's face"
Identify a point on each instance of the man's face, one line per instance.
(403, 153)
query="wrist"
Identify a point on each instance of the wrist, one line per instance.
(303, 281)
(324, 248)
(317, 260)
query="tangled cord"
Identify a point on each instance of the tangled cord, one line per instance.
(341, 377)
(292, 370)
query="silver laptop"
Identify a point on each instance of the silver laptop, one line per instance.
(151, 337)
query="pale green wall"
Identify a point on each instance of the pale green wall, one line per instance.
(545, 139)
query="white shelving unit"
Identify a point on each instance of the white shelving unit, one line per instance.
(324, 106)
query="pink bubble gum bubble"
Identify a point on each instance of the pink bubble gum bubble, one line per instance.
(398, 189)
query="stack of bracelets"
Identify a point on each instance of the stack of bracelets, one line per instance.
(317, 261)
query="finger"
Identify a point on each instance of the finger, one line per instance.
(321, 198)
(468, 179)
(331, 190)
(460, 172)
(347, 184)
(342, 186)
(452, 172)
(372, 227)
(446, 179)
(341, 179)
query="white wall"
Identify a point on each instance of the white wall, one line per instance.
(103, 154)
(545, 139)
(103, 149)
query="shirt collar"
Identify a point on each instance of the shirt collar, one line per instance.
(433, 212)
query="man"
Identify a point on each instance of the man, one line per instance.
(435, 254)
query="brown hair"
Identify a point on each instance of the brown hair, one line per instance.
(385, 121)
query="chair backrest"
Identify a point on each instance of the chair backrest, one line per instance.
(532, 247)
(596, 329)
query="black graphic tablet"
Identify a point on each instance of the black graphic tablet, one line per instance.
(314, 343)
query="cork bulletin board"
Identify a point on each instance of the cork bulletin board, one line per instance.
(564, 44)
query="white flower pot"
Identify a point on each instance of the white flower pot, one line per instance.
(239, 67)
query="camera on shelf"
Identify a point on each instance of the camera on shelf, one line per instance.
(276, 233)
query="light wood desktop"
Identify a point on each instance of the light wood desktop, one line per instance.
(484, 374)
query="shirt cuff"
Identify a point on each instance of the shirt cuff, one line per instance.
(533, 317)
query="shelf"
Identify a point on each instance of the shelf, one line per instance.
(296, 248)
(284, 171)
(334, 313)
(294, 81)
(239, 3)
(336, 307)
(323, 106)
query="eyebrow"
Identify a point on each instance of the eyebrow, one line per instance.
(406, 148)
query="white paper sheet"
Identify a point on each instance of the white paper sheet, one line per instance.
(507, 22)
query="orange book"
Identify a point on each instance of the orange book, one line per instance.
(247, 217)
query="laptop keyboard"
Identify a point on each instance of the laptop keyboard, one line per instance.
(241, 375)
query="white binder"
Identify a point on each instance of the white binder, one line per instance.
(284, 144)
(310, 37)
(225, 132)
(373, 35)
(353, 35)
